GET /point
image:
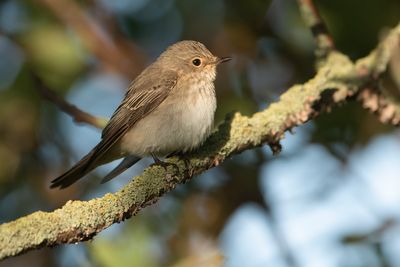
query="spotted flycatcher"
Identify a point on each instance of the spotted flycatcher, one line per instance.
(168, 108)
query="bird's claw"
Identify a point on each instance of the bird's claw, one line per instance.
(158, 162)
(186, 161)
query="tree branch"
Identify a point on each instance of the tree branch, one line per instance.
(318, 28)
(380, 103)
(77, 114)
(374, 96)
(78, 221)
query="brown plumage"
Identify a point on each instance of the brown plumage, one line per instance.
(169, 107)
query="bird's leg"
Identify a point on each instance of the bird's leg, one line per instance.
(163, 164)
(156, 159)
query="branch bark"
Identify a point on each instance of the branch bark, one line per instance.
(78, 221)
(374, 96)
(318, 28)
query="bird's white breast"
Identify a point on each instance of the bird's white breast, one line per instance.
(182, 122)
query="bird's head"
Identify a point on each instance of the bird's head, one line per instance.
(191, 58)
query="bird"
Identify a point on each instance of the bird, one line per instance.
(168, 108)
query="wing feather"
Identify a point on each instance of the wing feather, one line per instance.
(143, 96)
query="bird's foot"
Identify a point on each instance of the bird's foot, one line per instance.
(158, 162)
(186, 160)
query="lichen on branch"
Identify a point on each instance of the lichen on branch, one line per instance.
(77, 221)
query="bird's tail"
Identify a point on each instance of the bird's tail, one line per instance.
(90, 162)
(80, 169)
(125, 164)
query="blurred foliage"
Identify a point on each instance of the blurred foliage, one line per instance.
(61, 62)
(131, 248)
(206, 218)
(352, 22)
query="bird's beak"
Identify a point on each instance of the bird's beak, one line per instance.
(222, 60)
(219, 60)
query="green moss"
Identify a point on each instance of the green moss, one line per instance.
(80, 219)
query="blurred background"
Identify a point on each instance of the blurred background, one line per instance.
(331, 198)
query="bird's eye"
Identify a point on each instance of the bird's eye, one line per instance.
(196, 62)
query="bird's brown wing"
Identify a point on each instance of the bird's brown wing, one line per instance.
(145, 94)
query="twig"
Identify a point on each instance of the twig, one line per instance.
(318, 28)
(373, 96)
(77, 114)
(78, 221)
